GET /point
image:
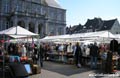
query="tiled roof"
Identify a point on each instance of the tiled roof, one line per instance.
(108, 24)
(53, 3)
(93, 22)
(96, 23)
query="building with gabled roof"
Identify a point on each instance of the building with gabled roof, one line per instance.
(108, 24)
(93, 24)
(97, 24)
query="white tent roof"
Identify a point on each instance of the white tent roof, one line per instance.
(117, 35)
(17, 32)
(85, 36)
(105, 34)
(17, 36)
(23, 40)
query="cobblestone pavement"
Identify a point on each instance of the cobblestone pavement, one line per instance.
(58, 70)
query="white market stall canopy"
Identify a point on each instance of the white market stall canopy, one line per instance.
(23, 40)
(104, 34)
(84, 36)
(17, 32)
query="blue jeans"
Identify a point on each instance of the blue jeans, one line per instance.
(93, 62)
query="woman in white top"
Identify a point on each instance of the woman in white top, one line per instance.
(70, 48)
(23, 50)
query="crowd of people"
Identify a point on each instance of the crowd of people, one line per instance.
(82, 54)
(91, 54)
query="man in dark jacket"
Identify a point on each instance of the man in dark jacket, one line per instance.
(114, 45)
(78, 55)
(41, 55)
(35, 54)
(108, 65)
(94, 55)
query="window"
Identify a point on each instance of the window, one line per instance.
(60, 30)
(0, 24)
(7, 24)
(43, 10)
(3, 25)
(52, 14)
(23, 6)
(60, 16)
(11, 24)
(28, 7)
(6, 6)
(33, 8)
(19, 6)
(117, 33)
(39, 9)
(52, 30)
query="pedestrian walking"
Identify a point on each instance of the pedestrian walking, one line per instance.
(94, 55)
(41, 55)
(78, 55)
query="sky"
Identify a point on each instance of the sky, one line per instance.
(78, 11)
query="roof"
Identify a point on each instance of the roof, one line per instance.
(108, 24)
(79, 27)
(53, 3)
(96, 24)
(89, 23)
(17, 32)
(93, 22)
